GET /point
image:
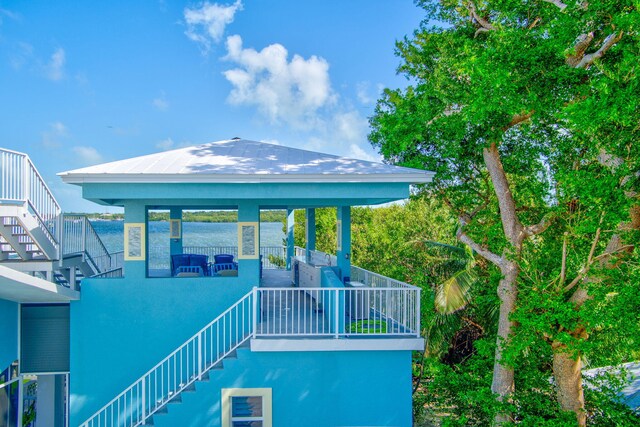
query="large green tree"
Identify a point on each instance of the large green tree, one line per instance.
(527, 111)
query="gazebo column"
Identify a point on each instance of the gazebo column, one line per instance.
(310, 236)
(291, 221)
(135, 240)
(344, 242)
(175, 243)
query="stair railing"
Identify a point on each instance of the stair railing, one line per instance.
(79, 237)
(23, 184)
(176, 372)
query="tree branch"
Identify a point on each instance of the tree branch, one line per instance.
(471, 7)
(538, 228)
(609, 42)
(558, 3)
(583, 272)
(581, 46)
(511, 224)
(563, 270)
(517, 119)
(483, 252)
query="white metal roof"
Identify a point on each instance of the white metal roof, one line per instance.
(240, 160)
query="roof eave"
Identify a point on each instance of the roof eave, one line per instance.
(409, 178)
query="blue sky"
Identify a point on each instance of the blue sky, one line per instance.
(83, 83)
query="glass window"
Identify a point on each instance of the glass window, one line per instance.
(246, 407)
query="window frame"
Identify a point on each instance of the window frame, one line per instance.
(227, 405)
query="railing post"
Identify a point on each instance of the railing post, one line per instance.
(337, 312)
(144, 401)
(255, 311)
(200, 356)
(20, 399)
(418, 313)
(83, 236)
(25, 170)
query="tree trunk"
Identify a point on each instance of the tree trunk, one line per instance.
(503, 383)
(568, 377)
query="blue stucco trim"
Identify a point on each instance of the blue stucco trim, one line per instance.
(293, 195)
(8, 332)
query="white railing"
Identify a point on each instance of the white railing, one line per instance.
(265, 251)
(21, 182)
(375, 280)
(180, 369)
(338, 312)
(79, 237)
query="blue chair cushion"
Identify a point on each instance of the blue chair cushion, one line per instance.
(223, 258)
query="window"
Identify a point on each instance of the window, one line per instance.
(248, 240)
(246, 407)
(134, 242)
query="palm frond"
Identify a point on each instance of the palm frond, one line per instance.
(452, 294)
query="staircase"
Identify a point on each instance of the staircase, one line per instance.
(35, 235)
(179, 372)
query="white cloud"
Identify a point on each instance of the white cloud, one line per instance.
(362, 92)
(22, 54)
(290, 92)
(54, 69)
(9, 14)
(165, 144)
(350, 126)
(51, 137)
(161, 102)
(356, 152)
(206, 24)
(88, 155)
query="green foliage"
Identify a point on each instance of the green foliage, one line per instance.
(216, 216)
(504, 73)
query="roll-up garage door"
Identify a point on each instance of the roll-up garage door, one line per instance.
(44, 338)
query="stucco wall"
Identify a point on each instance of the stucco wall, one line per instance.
(310, 389)
(8, 332)
(123, 327)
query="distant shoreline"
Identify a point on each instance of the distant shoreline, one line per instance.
(197, 216)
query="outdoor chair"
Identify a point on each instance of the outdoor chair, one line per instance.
(218, 267)
(178, 261)
(189, 260)
(189, 271)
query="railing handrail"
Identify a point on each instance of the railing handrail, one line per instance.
(43, 184)
(43, 224)
(195, 337)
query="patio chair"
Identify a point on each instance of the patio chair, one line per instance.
(189, 271)
(178, 261)
(201, 261)
(218, 267)
(222, 258)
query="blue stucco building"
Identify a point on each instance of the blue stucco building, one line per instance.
(219, 339)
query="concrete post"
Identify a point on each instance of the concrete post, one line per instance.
(175, 245)
(310, 232)
(136, 213)
(290, 237)
(344, 242)
(50, 401)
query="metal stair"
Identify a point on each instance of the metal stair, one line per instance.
(34, 231)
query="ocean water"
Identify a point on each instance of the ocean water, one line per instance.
(193, 234)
